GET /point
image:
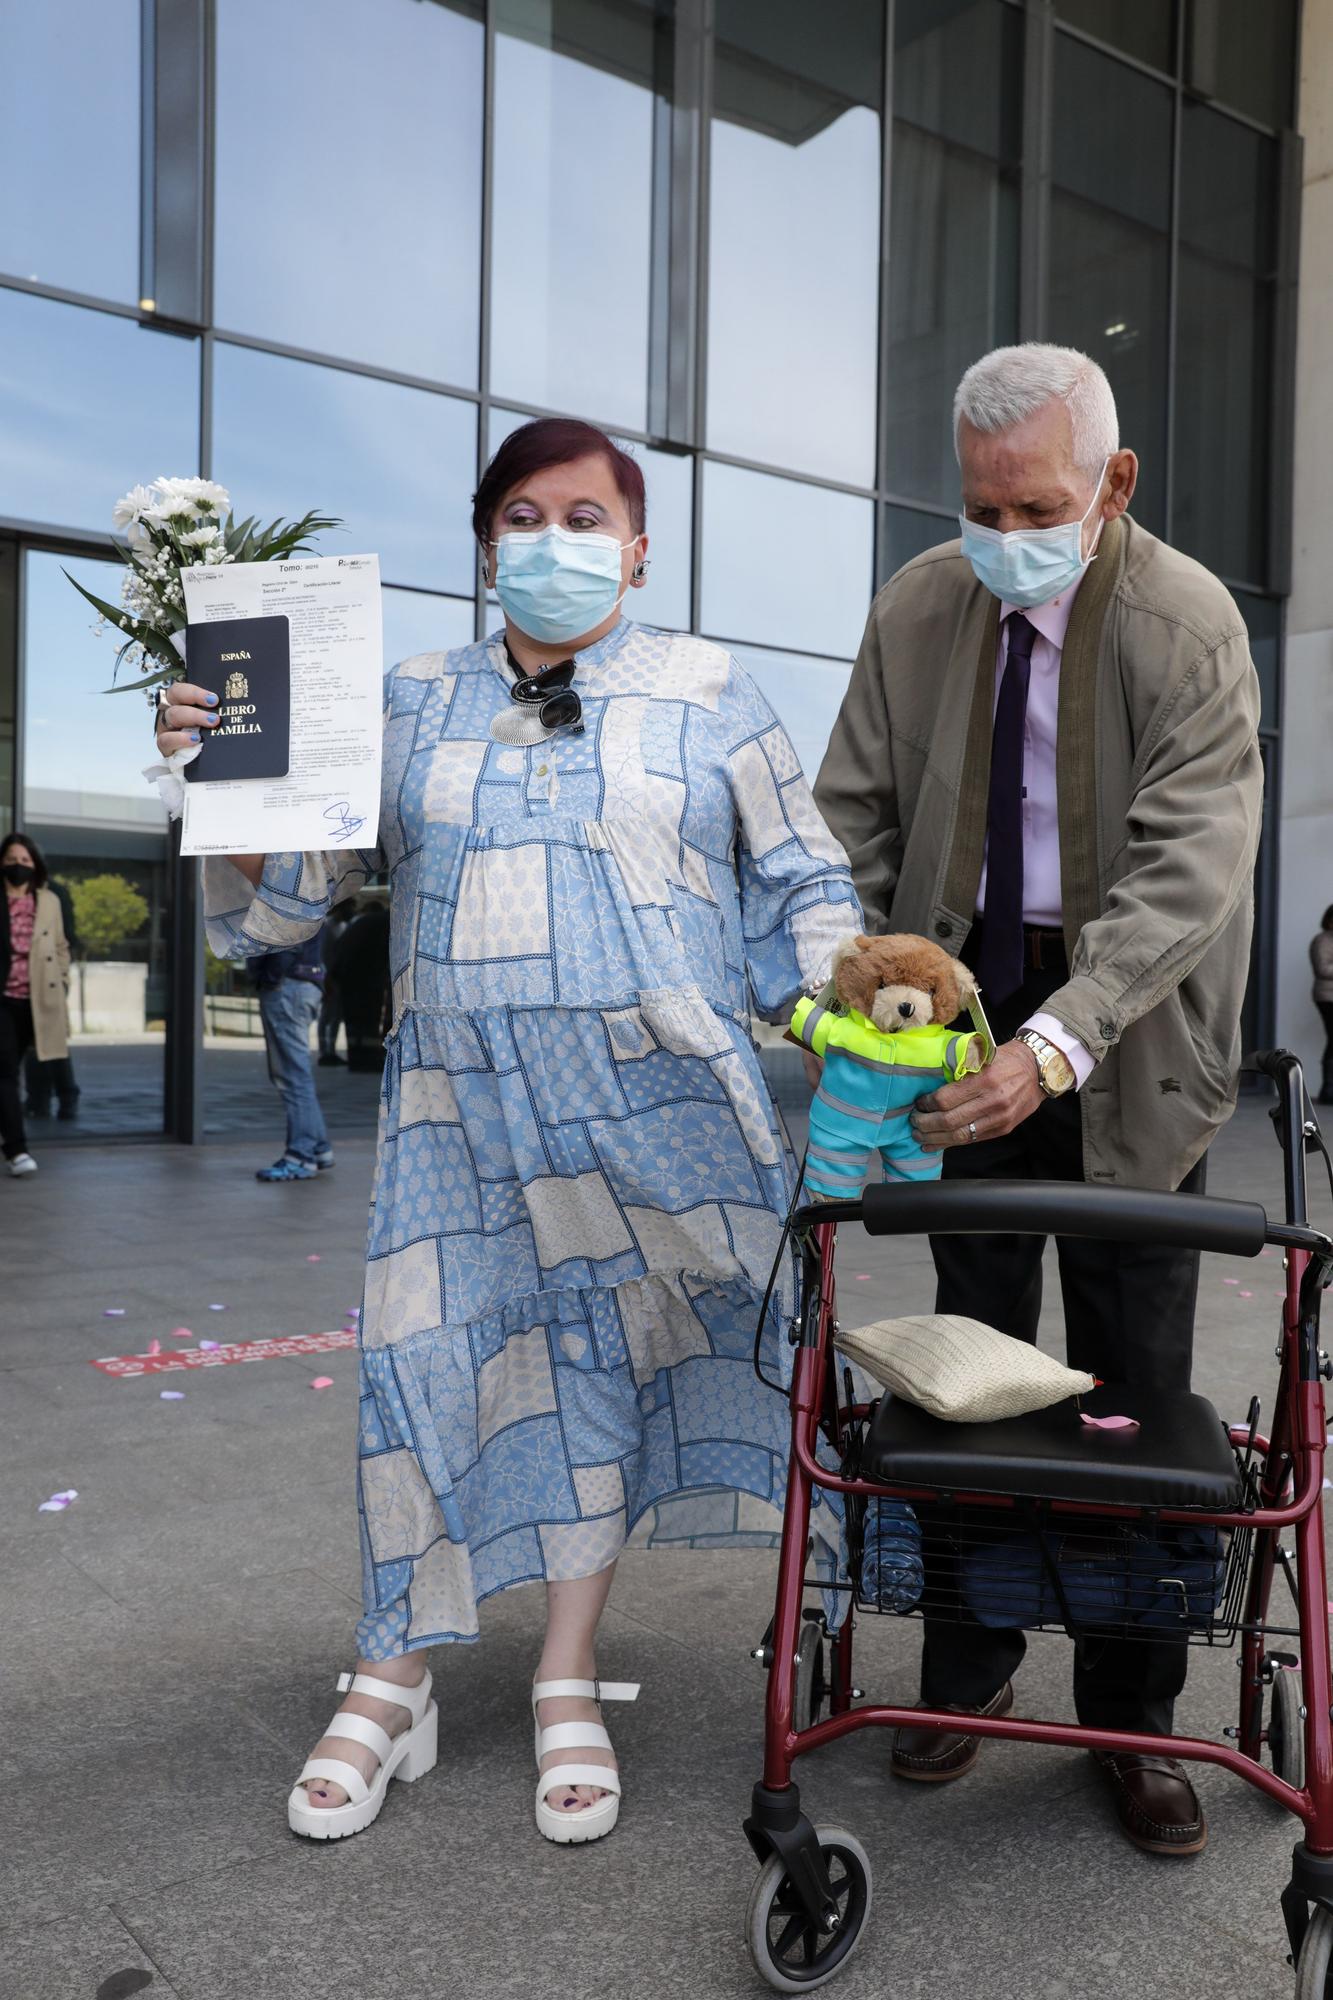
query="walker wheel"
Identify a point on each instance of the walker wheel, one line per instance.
(1286, 1728)
(811, 1688)
(789, 1950)
(1314, 1979)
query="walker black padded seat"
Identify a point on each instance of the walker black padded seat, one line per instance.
(1179, 1456)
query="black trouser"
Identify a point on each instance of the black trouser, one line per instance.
(1129, 1317)
(1326, 1016)
(42, 1078)
(15, 1040)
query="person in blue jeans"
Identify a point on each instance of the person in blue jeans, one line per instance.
(290, 987)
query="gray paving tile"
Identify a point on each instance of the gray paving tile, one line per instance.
(90, 1957)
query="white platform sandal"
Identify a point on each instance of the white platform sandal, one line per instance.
(408, 1757)
(593, 1822)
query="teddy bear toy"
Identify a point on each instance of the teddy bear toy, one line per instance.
(881, 1026)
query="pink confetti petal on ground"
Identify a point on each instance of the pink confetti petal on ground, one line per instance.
(180, 1333)
(1247, 1295)
(1231, 1281)
(217, 1309)
(113, 1312)
(172, 1395)
(1110, 1423)
(322, 1382)
(58, 1502)
(209, 1346)
(153, 1347)
(313, 1258)
(863, 1277)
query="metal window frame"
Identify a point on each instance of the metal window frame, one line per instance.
(675, 417)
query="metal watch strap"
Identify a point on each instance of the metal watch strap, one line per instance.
(1047, 1055)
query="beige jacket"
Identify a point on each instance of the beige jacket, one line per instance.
(1159, 794)
(48, 975)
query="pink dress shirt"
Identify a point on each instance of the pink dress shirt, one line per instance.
(1041, 828)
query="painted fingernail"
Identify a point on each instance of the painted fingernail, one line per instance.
(194, 736)
(212, 700)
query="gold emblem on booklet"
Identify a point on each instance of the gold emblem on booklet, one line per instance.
(237, 688)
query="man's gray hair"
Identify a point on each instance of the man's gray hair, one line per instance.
(1011, 384)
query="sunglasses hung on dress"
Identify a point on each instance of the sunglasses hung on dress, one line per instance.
(549, 692)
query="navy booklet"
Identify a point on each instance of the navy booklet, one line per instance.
(247, 664)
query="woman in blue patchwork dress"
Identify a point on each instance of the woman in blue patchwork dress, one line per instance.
(581, 1176)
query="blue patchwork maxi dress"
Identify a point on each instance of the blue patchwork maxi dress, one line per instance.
(581, 1176)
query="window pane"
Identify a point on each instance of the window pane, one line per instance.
(953, 293)
(1142, 28)
(99, 823)
(69, 136)
(806, 694)
(1244, 55)
(784, 564)
(794, 235)
(668, 478)
(907, 533)
(1109, 220)
(416, 621)
(1224, 357)
(396, 465)
(369, 111)
(572, 232)
(89, 404)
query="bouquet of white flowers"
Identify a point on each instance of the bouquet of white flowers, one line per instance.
(170, 526)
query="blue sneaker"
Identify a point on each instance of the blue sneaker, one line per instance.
(287, 1169)
(324, 1160)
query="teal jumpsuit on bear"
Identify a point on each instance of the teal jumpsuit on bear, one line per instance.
(870, 1082)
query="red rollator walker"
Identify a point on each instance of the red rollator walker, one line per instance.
(1175, 1529)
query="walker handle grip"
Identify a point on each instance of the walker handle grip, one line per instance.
(1063, 1208)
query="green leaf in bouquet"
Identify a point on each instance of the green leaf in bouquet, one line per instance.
(116, 613)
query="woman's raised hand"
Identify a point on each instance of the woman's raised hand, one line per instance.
(184, 719)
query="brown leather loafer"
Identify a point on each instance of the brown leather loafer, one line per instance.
(934, 1756)
(1155, 1803)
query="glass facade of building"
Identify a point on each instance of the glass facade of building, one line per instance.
(758, 239)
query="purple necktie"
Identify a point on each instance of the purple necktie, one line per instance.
(1000, 971)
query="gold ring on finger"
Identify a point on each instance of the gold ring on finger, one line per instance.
(971, 1128)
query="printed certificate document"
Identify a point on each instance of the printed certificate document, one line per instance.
(330, 796)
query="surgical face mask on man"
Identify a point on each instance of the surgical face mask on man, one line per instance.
(17, 874)
(556, 585)
(1030, 565)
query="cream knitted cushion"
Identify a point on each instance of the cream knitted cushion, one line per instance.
(960, 1368)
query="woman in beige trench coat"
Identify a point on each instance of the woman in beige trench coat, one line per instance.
(34, 979)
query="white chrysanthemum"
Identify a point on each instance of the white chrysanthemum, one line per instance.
(201, 495)
(130, 506)
(200, 538)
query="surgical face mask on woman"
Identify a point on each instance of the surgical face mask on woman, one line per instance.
(17, 874)
(1029, 565)
(556, 585)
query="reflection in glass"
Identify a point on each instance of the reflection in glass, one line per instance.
(90, 403)
(86, 802)
(373, 108)
(416, 621)
(69, 136)
(784, 564)
(1142, 28)
(1223, 345)
(397, 465)
(907, 532)
(953, 291)
(668, 478)
(573, 205)
(1109, 221)
(793, 281)
(1244, 55)
(806, 695)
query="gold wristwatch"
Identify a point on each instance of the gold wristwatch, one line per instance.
(1055, 1072)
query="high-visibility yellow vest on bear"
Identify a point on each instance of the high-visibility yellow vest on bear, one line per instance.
(870, 1082)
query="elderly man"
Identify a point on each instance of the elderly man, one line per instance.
(1047, 759)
